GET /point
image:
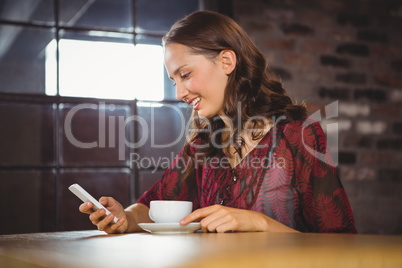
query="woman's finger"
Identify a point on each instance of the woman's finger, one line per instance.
(114, 227)
(86, 208)
(226, 227)
(105, 222)
(199, 214)
(214, 222)
(96, 216)
(211, 221)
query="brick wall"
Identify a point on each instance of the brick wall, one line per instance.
(347, 53)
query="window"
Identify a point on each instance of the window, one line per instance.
(106, 48)
(106, 70)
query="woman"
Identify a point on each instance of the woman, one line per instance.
(252, 161)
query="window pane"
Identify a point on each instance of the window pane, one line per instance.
(162, 14)
(112, 70)
(96, 69)
(27, 10)
(106, 14)
(94, 134)
(27, 134)
(169, 89)
(22, 59)
(146, 39)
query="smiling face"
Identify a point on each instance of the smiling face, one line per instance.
(200, 81)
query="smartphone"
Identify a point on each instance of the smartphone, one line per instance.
(86, 197)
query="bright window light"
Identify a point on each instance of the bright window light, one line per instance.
(106, 70)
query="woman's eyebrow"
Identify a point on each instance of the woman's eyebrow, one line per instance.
(178, 69)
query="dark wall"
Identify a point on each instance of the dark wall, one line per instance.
(49, 143)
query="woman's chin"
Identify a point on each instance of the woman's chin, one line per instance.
(206, 114)
(201, 113)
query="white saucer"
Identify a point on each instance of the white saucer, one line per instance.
(170, 228)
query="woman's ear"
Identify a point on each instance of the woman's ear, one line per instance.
(228, 60)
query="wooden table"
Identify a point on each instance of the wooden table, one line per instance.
(96, 249)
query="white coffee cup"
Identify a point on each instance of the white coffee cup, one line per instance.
(169, 211)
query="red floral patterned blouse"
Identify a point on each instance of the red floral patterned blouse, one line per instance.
(289, 176)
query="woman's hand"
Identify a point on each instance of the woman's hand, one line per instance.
(222, 219)
(106, 223)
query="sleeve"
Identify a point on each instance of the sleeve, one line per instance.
(173, 185)
(324, 206)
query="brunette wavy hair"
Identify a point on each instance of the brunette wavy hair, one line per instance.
(260, 95)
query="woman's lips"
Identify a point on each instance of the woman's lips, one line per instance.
(196, 103)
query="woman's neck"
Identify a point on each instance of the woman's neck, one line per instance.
(250, 136)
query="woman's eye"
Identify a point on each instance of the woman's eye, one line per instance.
(185, 75)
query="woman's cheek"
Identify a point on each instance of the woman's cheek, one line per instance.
(194, 85)
(190, 85)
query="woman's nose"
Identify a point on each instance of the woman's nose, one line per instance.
(181, 91)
